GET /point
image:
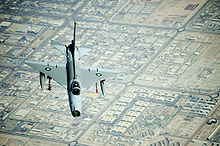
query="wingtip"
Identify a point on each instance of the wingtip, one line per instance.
(30, 63)
(26, 61)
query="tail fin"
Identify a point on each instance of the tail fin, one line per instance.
(74, 37)
(72, 50)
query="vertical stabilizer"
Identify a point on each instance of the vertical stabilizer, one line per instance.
(72, 50)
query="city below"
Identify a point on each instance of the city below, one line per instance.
(167, 53)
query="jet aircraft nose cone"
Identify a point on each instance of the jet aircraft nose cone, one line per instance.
(76, 113)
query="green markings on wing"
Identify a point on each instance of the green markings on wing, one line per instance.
(98, 74)
(48, 69)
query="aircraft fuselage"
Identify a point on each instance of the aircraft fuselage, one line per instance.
(73, 86)
(71, 75)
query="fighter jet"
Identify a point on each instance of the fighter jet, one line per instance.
(71, 75)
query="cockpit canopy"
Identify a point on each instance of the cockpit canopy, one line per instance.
(75, 88)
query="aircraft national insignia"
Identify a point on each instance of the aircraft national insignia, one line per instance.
(98, 74)
(48, 69)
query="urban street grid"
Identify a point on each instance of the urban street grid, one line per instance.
(168, 53)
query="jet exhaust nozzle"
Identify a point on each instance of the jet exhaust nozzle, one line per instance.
(76, 113)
